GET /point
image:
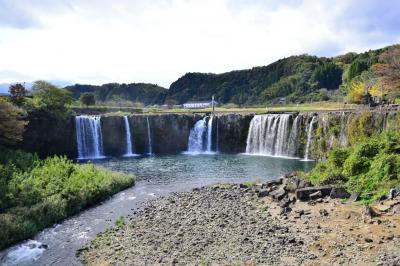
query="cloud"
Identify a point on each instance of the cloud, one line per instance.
(158, 41)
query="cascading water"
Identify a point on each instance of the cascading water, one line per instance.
(199, 141)
(309, 137)
(149, 142)
(209, 133)
(129, 149)
(196, 136)
(269, 135)
(88, 137)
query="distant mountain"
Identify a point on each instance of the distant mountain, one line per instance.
(148, 94)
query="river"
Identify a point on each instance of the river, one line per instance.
(156, 176)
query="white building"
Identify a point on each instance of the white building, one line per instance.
(199, 104)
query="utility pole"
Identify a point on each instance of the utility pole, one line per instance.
(212, 104)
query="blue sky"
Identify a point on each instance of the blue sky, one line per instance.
(85, 41)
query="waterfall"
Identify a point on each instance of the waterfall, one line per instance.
(209, 133)
(199, 141)
(217, 142)
(309, 137)
(269, 135)
(128, 138)
(196, 136)
(149, 143)
(88, 137)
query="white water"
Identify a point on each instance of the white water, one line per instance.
(129, 150)
(209, 133)
(149, 142)
(309, 137)
(200, 142)
(196, 137)
(24, 254)
(88, 137)
(270, 135)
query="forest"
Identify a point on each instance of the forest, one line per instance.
(353, 78)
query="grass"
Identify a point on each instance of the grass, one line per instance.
(315, 106)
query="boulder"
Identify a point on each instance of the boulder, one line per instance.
(278, 194)
(304, 193)
(285, 202)
(263, 193)
(355, 196)
(339, 193)
(272, 183)
(396, 209)
(315, 195)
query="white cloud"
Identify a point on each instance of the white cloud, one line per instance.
(158, 41)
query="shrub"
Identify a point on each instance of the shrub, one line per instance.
(36, 196)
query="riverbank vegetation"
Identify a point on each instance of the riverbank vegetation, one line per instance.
(371, 166)
(36, 193)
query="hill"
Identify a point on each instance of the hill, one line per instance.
(296, 78)
(134, 92)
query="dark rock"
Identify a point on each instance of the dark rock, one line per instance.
(382, 198)
(304, 193)
(368, 240)
(278, 194)
(272, 183)
(263, 193)
(285, 202)
(315, 195)
(339, 193)
(355, 196)
(304, 183)
(323, 212)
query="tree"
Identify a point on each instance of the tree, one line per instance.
(87, 98)
(17, 92)
(328, 75)
(51, 97)
(12, 125)
(388, 70)
(356, 91)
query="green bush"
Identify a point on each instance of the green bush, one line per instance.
(370, 167)
(35, 196)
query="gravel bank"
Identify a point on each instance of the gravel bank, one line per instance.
(218, 225)
(235, 225)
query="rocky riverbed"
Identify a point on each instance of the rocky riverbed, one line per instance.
(239, 225)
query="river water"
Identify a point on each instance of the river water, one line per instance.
(156, 176)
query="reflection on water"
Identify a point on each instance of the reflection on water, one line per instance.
(156, 176)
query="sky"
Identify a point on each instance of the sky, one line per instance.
(158, 41)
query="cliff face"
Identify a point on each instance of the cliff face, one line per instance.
(232, 132)
(47, 134)
(169, 133)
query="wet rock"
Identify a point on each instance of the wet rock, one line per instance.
(304, 193)
(339, 193)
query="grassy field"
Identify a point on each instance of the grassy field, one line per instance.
(315, 106)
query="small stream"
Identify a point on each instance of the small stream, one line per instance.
(156, 176)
